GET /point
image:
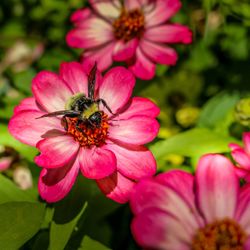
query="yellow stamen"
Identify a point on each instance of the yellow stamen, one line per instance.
(226, 234)
(88, 135)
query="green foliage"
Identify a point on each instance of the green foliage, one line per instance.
(216, 110)
(10, 192)
(14, 233)
(90, 244)
(64, 230)
(193, 143)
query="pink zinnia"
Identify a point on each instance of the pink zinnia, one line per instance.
(135, 31)
(112, 154)
(242, 157)
(176, 211)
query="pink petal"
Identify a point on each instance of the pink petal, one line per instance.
(140, 105)
(91, 32)
(159, 53)
(183, 183)
(54, 184)
(142, 68)
(101, 55)
(234, 146)
(129, 161)
(124, 50)
(117, 87)
(80, 15)
(26, 128)
(175, 179)
(107, 8)
(217, 187)
(116, 187)
(241, 172)
(155, 229)
(150, 194)
(132, 4)
(50, 91)
(97, 163)
(73, 74)
(243, 208)
(27, 104)
(56, 151)
(5, 162)
(136, 130)
(246, 140)
(160, 11)
(242, 158)
(247, 177)
(247, 244)
(169, 33)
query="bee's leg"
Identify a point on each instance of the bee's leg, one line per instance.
(78, 123)
(105, 105)
(64, 123)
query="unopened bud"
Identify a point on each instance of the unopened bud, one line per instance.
(242, 111)
(187, 116)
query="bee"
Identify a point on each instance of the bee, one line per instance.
(84, 108)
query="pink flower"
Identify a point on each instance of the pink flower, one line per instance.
(136, 32)
(176, 211)
(5, 163)
(242, 157)
(111, 154)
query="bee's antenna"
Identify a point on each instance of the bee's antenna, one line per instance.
(91, 81)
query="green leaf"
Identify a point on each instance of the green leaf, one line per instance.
(195, 142)
(67, 214)
(22, 80)
(216, 109)
(64, 230)
(19, 222)
(90, 244)
(7, 139)
(10, 192)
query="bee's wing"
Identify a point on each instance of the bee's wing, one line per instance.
(61, 112)
(91, 82)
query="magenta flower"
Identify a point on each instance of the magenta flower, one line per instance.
(242, 157)
(176, 211)
(137, 32)
(5, 163)
(111, 153)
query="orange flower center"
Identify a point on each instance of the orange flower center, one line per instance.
(220, 235)
(85, 133)
(129, 25)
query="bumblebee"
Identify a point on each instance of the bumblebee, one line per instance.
(84, 108)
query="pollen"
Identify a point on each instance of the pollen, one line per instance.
(129, 25)
(87, 135)
(220, 235)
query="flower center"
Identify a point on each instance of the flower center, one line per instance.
(86, 133)
(129, 25)
(220, 235)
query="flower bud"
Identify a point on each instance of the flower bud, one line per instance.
(242, 111)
